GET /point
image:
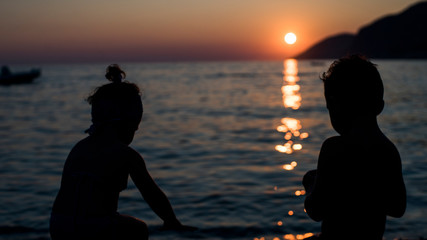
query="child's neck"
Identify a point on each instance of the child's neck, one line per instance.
(364, 127)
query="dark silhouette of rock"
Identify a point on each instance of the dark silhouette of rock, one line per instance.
(395, 36)
(330, 47)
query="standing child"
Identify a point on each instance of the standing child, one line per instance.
(358, 180)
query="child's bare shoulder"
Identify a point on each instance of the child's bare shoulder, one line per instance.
(388, 144)
(388, 150)
(333, 140)
(330, 151)
(332, 143)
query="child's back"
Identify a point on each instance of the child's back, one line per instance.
(357, 181)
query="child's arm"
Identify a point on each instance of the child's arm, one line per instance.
(395, 195)
(153, 195)
(311, 203)
(308, 180)
(314, 182)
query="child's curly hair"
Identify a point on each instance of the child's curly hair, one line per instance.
(356, 82)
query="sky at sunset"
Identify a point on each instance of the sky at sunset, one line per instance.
(55, 31)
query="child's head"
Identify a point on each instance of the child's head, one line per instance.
(353, 88)
(354, 83)
(117, 104)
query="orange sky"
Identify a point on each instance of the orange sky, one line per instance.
(39, 31)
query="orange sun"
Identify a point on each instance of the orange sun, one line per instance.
(290, 38)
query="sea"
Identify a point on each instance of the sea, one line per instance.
(228, 142)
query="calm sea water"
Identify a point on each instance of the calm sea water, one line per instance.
(228, 142)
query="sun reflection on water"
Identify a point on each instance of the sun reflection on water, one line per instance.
(289, 237)
(291, 99)
(293, 135)
(291, 96)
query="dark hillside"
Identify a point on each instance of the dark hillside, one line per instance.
(396, 36)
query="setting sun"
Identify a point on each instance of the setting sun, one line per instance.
(290, 38)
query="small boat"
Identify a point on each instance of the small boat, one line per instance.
(7, 77)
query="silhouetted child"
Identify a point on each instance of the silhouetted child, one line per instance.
(97, 170)
(358, 181)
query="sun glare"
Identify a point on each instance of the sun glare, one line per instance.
(290, 38)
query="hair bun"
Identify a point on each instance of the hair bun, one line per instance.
(114, 73)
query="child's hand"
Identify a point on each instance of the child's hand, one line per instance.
(177, 226)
